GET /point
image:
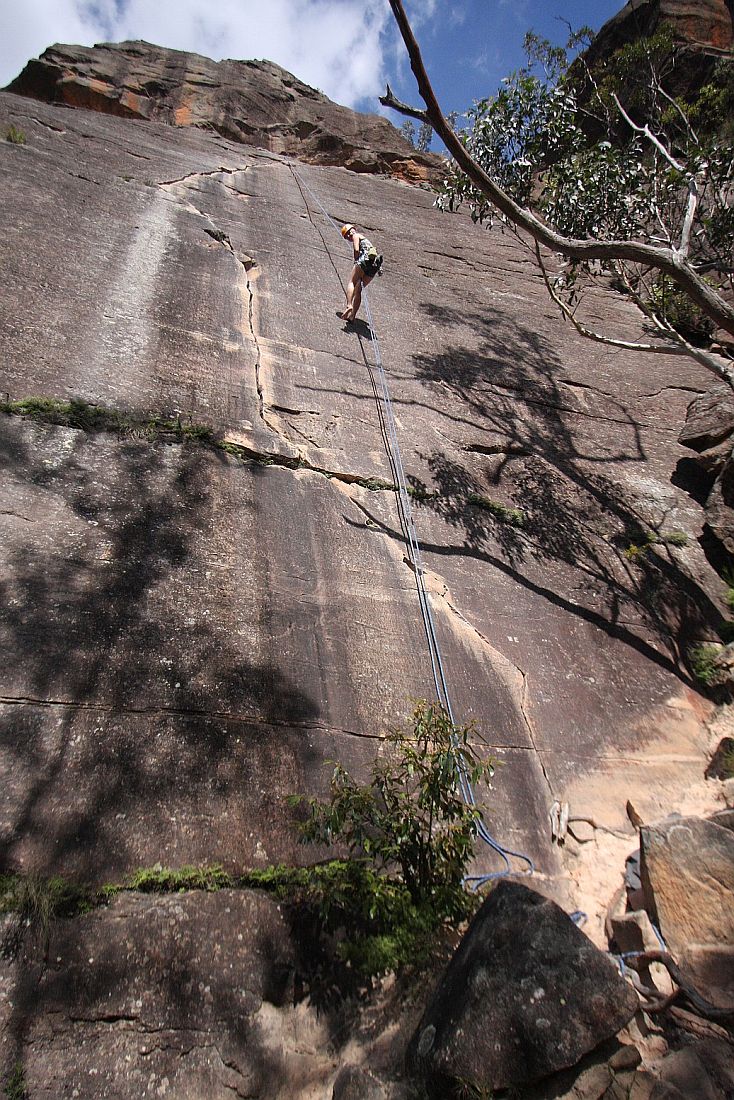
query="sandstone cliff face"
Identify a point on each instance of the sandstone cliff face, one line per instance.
(703, 24)
(704, 29)
(255, 102)
(190, 635)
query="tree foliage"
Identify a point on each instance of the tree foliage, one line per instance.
(420, 140)
(611, 173)
(410, 817)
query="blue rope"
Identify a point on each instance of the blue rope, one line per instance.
(413, 547)
(621, 958)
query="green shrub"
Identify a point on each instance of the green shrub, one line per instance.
(410, 816)
(673, 304)
(727, 764)
(702, 660)
(15, 136)
(410, 837)
(371, 916)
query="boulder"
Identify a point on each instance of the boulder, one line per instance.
(525, 995)
(720, 507)
(186, 995)
(722, 762)
(724, 818)
(353, 1083)
(703, 1071)
(688, 881)
(709, 420)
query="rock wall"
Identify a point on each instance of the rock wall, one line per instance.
(191, 634)
(707, 25)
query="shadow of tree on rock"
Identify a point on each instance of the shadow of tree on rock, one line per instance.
(127, 705)
(542, 439)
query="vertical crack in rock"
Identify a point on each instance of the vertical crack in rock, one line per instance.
(246, 265)
(531, 731)
(439, 589)
(258, 353)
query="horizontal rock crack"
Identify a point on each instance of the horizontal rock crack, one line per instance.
(182, 712)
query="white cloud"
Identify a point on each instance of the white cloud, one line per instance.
(335, 45)
(27, 29)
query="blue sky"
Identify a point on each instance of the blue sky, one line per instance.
(348, 48)
(470, 45)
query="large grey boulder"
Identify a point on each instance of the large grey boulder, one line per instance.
(184, 995)
(709, 420)
(688, 880)
(720, 507)
(708, 430)
(526, 994)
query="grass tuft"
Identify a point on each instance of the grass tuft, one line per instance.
(15, 136)
(163, 880)
(513, 517)
(637, 551)
(375, 484)
(36, 900)
(14, 1087)
(671, 538)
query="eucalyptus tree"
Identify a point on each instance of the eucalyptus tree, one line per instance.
(605, 174)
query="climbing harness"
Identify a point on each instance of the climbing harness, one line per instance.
(414, 554)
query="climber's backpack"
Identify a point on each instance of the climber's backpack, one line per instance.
(372, 263)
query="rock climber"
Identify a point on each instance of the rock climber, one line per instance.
(367, 264)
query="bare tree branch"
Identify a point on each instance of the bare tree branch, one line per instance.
(718, 365)
(652, 138)
(389, 100)
(666, 260)
(702, 1006)
(685, 236)
(591, 334)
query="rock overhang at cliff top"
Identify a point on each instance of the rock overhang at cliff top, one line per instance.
(255, 102)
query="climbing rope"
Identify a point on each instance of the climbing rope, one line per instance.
(414, 554)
